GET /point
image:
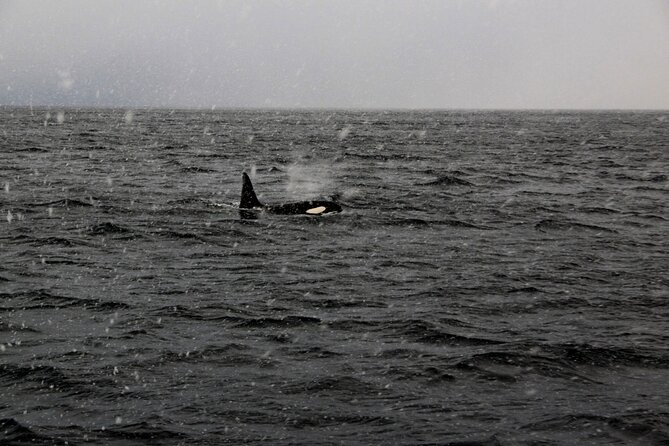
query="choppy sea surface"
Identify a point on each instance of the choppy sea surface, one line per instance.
(495, 278)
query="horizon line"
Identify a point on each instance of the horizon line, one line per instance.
(325, 108)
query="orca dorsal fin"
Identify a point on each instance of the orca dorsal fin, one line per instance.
(249, 199)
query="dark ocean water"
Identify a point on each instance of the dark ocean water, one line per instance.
(496, 278)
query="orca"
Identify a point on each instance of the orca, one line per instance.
(249, 202)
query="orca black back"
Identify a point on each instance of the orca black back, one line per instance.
(249, 201)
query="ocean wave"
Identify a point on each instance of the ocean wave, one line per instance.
(599, 210)
(308, 353)
(326, 419)
(447, 180)
(565, 225)
(178, 311)
(334, 303)
(13, 433)
(9, 327)
(606, 357)
(415, 330)
(176, 235)
(142, 432)
(43, 299)
(196, 169)
(60, 241)
(382, 156)
(71, 202)
(639, 427)
(429, 375)
(43, 377)
(419, 222)
(290, 321)
(229, 355)
(107, 228)
(341, 385)
(32, 149)
(511, 367)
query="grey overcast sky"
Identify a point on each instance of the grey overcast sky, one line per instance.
(595, 54)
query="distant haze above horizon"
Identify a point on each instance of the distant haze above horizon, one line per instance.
(510, 54)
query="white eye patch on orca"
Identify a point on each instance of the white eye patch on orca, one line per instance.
(316, 210)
